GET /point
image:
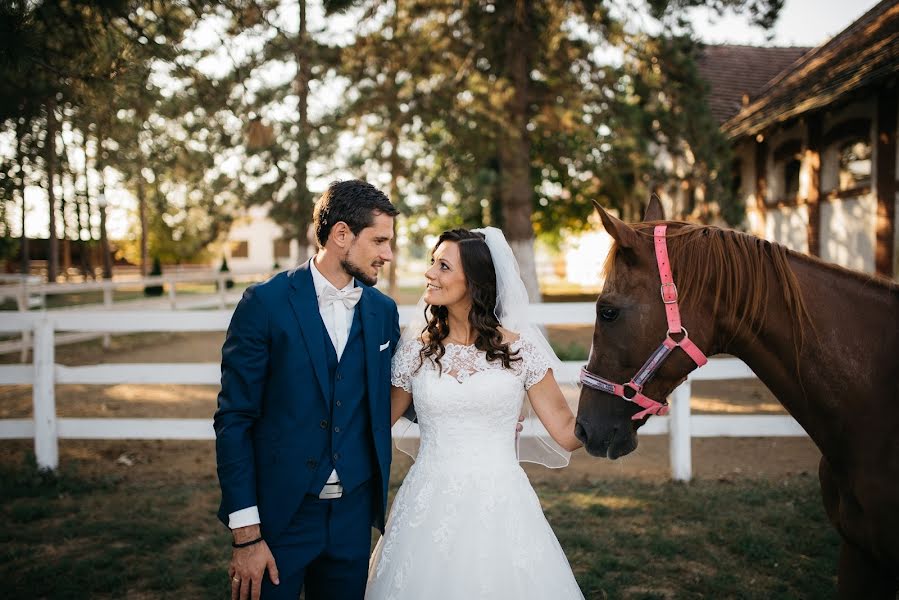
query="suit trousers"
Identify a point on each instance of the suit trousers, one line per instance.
(325, 548)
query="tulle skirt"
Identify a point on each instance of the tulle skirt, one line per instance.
(459, 531)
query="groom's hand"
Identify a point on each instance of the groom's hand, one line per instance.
(248, 565)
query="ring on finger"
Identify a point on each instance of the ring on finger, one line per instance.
(235, 579)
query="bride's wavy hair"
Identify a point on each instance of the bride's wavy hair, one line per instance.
(480, 278)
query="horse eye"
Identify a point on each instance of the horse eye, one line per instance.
(608, 314)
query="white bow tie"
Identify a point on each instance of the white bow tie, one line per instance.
(330, 295)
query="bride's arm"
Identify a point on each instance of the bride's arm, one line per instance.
(549, 403)
(400, 401)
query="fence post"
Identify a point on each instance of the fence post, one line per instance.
(107, 303)
(221, 286)
(46, 442)
(22, 302)
(679, 434)
(171, 281)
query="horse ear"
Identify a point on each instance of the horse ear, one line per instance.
(654, 210)
(619, 230)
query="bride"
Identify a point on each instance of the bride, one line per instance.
(466, 522)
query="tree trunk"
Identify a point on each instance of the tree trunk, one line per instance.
(142, 209)
(394, 197)
(67, 206)
(516, 191)
(393, 138)
(87, 263)
(102, 201)
(20, 185)
(50, 146)
(303, 201)
(66, 244)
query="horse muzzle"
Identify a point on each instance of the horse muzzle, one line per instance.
(609, 441)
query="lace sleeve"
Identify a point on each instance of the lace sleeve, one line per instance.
(535, 363)
(405, 360)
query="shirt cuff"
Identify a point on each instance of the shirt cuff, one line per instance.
(244, 517)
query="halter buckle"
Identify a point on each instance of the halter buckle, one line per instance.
(669, 296)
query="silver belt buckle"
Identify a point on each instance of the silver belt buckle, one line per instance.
(331, 491)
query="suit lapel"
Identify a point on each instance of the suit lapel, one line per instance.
(305, 308)
(371, 340)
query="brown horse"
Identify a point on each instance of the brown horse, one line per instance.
(823, 339)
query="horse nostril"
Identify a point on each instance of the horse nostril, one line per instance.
(579, 432)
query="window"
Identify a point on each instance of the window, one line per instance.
(855, 164)
(282, 248)
(240, 250)
(788, 166)
(791, 177)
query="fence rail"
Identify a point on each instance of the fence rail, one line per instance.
(43, 374)
(31, 291)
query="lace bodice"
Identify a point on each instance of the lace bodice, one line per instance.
(466, 523)
(469, 410)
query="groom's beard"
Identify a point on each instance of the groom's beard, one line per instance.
(356, 271)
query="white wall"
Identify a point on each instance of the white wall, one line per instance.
(848, 235)
(788, 225)
(848, 232)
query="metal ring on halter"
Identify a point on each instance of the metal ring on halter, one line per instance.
(683, 330)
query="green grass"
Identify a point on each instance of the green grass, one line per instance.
(71, 536)
(709, 539)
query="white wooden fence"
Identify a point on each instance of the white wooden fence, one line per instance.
(43, 374)
(31, 291)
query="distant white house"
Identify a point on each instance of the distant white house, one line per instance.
(256, 243)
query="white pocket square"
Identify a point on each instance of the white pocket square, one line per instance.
(384, 346)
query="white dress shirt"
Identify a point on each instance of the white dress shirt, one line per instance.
(337, 319)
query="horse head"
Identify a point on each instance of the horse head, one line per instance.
(631, 324)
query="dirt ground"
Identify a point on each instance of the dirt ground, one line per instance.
(713, 458)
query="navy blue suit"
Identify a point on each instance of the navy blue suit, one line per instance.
(289, 412)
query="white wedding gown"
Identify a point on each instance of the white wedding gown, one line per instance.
(466, 522)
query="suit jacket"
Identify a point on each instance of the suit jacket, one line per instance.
(275, 391)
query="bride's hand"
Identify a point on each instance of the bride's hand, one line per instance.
(247, 569)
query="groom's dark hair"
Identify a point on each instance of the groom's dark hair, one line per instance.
(354, 202)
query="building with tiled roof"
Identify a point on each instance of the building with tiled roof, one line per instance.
(816, 144)
(737, 74)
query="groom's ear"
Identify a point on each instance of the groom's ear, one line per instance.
(620, 231)
(341, 234)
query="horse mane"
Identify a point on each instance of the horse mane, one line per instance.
(733, 267)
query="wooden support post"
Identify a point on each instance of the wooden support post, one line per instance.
(107, 303)
(172, 301)
(22, 305)
(885, 187)
(46, 434)
(761, 182)
(679, 435)
(222, 287)
(813, 199)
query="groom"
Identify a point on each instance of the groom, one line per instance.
(303, 421)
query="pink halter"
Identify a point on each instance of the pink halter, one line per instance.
(649, 368)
